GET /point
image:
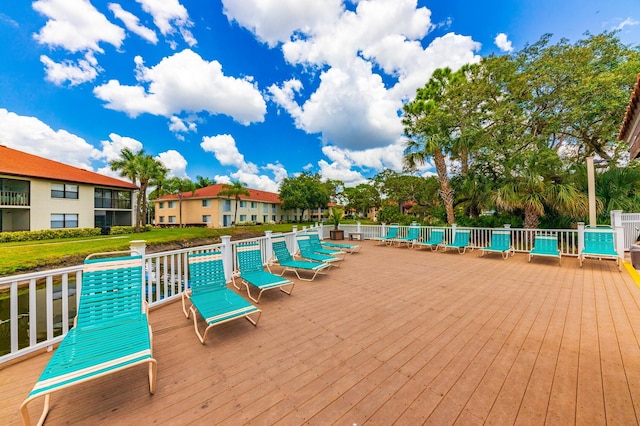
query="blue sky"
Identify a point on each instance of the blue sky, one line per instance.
(252, 90)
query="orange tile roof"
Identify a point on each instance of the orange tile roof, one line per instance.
(632, 110)
(19, 163)
(213, 190)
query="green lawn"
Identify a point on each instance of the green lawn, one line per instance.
(29, 255)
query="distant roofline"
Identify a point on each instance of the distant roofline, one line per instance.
(18, 163)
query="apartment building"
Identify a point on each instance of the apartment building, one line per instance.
(205, 207)
(37, 194)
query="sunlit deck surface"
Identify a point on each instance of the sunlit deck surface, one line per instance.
(394, 336)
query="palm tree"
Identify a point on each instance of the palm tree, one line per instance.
(141, 169)
(151, 170)
(430, 126)
(128, 167)
(234, 190)
(203, 182)
(178, 186)
(533, 193)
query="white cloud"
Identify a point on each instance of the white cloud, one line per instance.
(177, 125)
(169, 15)
(184, 82)
(503, 43)
(175, 162)
(75, 73)
(224, 149)
(132, 23)
(274, 21)
(371, 61)
(76, 25)
(111, 149)
(626, 23)
(31, 135)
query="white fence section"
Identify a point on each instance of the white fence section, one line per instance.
(42, 304)
(630, 224)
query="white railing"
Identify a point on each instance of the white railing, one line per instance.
(42, 304)
(630, 225)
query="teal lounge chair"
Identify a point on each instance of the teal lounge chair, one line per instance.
(251, 271)
(460, 241)
(546, 245)
(392, 234)
(348, 248)
(435, 239)
(500, 243)
(412, 237)
(210, 297)
(599, 244)
(111, 331)
(317, 247)
(306, 252)
(288, 263)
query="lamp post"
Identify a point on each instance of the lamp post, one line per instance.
(591, 188)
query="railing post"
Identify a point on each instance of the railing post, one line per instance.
(616, 218)
(580, 237)
(139, 246)
(321, 231)
(295, 240)
(268, 248)
(619, 236)
(453, 232)
(227, 256)
(358, 227)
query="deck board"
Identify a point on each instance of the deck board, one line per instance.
(393, 336)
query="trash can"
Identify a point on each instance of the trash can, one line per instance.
(634, 251)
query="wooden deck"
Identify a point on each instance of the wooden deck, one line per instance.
(394, 336)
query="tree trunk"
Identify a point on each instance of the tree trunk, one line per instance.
(531, 219)
(446, 193)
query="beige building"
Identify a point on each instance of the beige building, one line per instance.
(37, 194)
(205, 207)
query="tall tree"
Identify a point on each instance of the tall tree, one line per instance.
(203, 182)
(362, 198)
(178, 186)
(141, 169)
(234, 190)
(430, 128)
(305, 192)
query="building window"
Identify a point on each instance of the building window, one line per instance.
(265, 218)
(61, 190)
(206, 218)
(112, 199)
(243, 204)
(254, 218)
(64, 220)
(226, 206)
(172, 219)
(254, 205)
(172, 205)
(161, 218)
(206, 203)
(243, 218)
(273, 208)
(162, 204)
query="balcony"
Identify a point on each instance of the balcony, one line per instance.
(394, 336)
(15, 198)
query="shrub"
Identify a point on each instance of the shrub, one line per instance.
(47, 234)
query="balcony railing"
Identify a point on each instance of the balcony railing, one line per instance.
(14, 198)
(41, 305)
